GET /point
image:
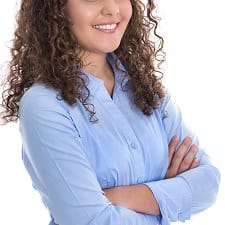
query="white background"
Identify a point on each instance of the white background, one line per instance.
(194, 34)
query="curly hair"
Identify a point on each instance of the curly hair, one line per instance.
(45, 49)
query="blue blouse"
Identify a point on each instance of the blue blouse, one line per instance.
(70, 160)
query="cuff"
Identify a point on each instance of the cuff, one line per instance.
(174, 198)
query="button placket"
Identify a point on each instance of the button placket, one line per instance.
(138, 160)
(127, 133)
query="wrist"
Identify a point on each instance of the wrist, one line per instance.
(112, 195)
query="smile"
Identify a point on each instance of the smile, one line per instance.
(106, 27)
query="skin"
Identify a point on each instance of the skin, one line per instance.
(96, 42)
(139, 197)
(179, 161)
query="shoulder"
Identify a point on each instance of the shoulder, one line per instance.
(164, 101)
(38, 92)
(168, 106)
(39, 98)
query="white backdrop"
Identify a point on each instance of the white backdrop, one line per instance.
(194, 36)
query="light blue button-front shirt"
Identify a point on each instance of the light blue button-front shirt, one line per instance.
(70, 160)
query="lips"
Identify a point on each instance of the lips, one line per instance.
(110, 27)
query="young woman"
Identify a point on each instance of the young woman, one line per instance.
(103, 142)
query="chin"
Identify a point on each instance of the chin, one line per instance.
(111, 48)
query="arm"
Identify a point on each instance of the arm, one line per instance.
(186, 189)
(191, 191)
(139, 197)
(136, 197)
(56, 161)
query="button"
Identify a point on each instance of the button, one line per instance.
(180, 216)
(139, 180)
(133, 145)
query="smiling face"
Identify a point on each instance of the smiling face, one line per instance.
(99, 25)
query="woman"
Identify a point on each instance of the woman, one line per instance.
(102, 140)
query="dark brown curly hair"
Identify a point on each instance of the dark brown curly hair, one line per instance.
(45, 49)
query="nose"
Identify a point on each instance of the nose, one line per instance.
(111, 8)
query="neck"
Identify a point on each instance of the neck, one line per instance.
(97, 65)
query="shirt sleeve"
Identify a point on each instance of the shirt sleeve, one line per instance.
(59, 168)
(189, 192)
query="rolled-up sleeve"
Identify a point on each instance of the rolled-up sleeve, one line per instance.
(189, 192)
(58, 165)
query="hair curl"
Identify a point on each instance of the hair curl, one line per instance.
(45, 49)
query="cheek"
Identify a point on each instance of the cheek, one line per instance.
(76, 12)
(83, 18)
(127, 11)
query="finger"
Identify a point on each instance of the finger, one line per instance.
(172, 147)
(195, 163)
(188, 159)
(179, 154)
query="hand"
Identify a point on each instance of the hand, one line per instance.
(183, 158)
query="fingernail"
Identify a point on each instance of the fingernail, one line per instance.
(190, 137)
(176, 138)
(197, 160)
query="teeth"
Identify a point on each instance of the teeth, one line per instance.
(105, 26)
